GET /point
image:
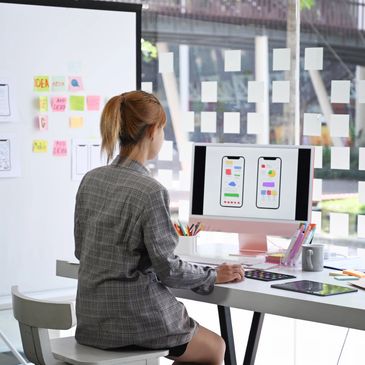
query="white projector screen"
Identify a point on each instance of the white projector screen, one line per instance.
(86, 51)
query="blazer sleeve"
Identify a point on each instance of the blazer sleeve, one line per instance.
(77, 228)
(161, 239)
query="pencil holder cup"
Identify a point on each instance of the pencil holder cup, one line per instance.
(187, 245)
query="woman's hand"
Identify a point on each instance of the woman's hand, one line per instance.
(229, 273)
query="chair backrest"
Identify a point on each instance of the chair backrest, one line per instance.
(35, 317)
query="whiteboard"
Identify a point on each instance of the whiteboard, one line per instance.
(98, 42)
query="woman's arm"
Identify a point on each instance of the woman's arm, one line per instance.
(161, 239)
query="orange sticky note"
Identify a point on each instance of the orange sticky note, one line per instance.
(60, 148)
(76, 122)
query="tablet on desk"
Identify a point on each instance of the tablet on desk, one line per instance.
(314, 287)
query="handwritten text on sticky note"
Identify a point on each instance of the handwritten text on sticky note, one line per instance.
(60, 148)
(58, 83)
(43, 104)
(43, 122)
(58, 103)
(41, 83)
(40, 145)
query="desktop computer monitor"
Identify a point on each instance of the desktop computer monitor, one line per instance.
(253, 190)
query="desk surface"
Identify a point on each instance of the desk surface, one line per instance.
(346, 310)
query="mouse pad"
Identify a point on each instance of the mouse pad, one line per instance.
(314, 287)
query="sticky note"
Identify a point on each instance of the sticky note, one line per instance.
(165, 178)
(60, 148)
(312, 124)
(361, 192)
(43, 122)
(147, 87)
(340, 91)
(280, 91)
(361, 91)
(75, 83)
(41, 83)
(339, 125)
(231, 122)
(362, 158)
(255, 92)
(93, 102)
(313, 58)
(77, 103)
(188, 120)
(166, 152)
(166, 62)
(254, 123)
(58, 103)
(76, 122)
(318, 157)
(209, 91)
(317, 190)
(43, 104)
(232, 60)
(208, 122)
(184, 210)
(317, 220)
(361, 226)
(339, 224)
(281, 59)
(40, 146)
(58, 83)
(340, 158)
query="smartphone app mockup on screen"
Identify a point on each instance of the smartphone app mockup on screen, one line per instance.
(232, 176)
(268, 182)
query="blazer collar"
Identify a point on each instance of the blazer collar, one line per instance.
(130, 164)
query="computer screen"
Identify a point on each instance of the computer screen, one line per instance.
(254, 190)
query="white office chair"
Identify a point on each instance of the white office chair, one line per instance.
(35, 317)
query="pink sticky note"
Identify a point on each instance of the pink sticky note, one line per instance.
(93, 102)
(43, 122)
(58, 103)
(75, 83)
(60, 148)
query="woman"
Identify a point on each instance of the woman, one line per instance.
(125, 242)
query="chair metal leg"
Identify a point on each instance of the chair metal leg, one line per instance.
(253, 338)
(227, 334)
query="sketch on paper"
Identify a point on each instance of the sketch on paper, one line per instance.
(4, 100)
(5, 160)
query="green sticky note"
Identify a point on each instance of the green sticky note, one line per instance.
(77, 103)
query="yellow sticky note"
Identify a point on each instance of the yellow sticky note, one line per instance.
(41, 83)
(43, 104)
(77, 103)
(40, 146)
(76, 122)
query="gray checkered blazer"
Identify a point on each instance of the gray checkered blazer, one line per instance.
(125, 242)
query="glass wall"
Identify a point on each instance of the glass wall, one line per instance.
(278, 72)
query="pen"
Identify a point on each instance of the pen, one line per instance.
(333, 268)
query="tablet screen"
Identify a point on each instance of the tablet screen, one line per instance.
(314, 287)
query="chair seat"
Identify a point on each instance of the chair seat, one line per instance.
(68, 350)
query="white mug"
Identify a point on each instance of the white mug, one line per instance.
(312, 257)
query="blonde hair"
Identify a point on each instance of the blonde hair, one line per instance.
(127, 118)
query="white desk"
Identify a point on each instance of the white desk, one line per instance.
(346, 310)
